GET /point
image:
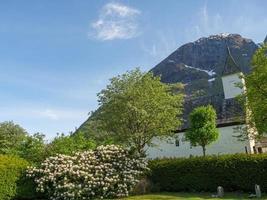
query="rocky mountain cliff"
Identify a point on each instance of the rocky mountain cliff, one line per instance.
(265, 41)
(199, 66)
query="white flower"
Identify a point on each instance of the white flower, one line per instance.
(89, 174)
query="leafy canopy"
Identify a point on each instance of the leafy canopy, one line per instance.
(69, 144)
(256, 84)
(136, 106)
(202, 130)
(11, 137)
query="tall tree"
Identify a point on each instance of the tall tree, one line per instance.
(11, 137)
(256, 90)
(33, 148)
(136, 107)
(202, 130)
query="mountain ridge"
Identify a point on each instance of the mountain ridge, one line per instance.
(199, 65)
(202, 61)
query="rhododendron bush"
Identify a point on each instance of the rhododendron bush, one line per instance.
(107, 172)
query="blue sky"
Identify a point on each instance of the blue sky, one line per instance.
(56, 55)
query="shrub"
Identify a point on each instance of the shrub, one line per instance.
(107, 172)
(233, 172)
(11, 171)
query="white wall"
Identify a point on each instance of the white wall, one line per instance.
(226, 144)
(229, 85)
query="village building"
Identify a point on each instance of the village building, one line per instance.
(231, 119)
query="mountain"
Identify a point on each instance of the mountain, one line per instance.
(199, 66)
(265, 41)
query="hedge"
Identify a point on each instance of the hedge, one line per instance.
(238, 172)
(13, 182)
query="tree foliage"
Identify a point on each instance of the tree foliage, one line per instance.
(12, 169)
(11, 137)
(135, 107)
(256, 90)
(202, 130)
(69, 144)
(33, 148)
(91, 130)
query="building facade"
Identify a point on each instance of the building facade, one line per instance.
(178, 147)
(231, 120)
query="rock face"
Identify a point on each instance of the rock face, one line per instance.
(265, 41)
(199, 66)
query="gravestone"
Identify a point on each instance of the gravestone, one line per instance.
(220, 192)
(258, 191)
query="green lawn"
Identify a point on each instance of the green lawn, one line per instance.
(188, 196)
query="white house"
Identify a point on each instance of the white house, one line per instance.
(227, 124)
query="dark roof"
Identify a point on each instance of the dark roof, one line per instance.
(230, 65)
(229, 111)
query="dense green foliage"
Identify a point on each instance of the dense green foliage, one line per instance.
(136, 106)
(256, 84)
(69, 144)
(12, 171)
(14, 140)
(233, 172)
(91, 130)
(33, 148)
(202, 127)
(11, 137)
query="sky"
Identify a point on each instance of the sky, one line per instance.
(55, 56)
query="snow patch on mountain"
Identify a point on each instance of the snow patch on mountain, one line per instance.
(209, 72)
(211, 79)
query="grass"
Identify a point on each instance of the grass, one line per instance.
(188, 196)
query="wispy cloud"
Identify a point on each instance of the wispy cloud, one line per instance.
(116, 21)
(47, 120)
(161, 46)
(52, 114)
(206, 23)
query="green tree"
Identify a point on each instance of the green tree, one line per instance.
(136, 107)
(33, 148)
(11, 137)
(69, 144)
(91, 130)
(256, 90)
(202, 127)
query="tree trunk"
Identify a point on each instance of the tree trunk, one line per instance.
(204, 151)
(141, 151)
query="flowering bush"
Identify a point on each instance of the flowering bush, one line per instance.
(107, 172)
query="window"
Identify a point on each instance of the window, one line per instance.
(254, 150)
(259, 149)
(177, 142)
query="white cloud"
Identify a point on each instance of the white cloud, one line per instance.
(116, 21)
(120, 9)
(50, 114)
